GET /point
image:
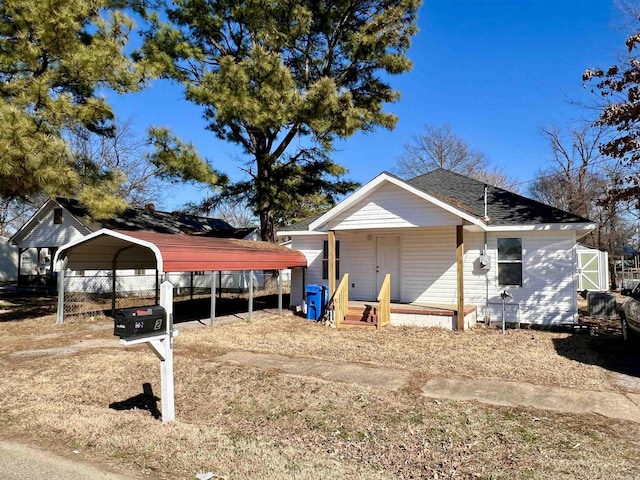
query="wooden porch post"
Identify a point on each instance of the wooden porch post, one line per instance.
(331, 271)
(460, 275)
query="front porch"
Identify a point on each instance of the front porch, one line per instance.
(366, 315)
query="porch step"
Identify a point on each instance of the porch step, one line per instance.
(361, 316)
(351, 324)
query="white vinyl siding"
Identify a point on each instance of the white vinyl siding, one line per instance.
(390, 206)
(429, 265)
(311, 247)
(548, 293)
(428, 271)
(358, 260)
(8, 261)
(49, 234)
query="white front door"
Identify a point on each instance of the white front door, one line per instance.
(388, 261)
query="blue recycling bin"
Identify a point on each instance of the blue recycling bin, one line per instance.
(316, 301)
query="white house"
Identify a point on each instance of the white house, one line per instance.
(449, 243)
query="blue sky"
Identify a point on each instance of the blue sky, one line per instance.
(494, 70)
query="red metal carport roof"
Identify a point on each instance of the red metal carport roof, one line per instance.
(109, 249)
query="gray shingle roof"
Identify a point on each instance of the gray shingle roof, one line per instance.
(302, 225)
(503, 207)
(136, 219)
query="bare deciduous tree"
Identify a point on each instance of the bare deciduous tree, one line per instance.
(579, 181)
(439, 147)
(236, 214)
(124, 152)
(15, 212)
(575, 180)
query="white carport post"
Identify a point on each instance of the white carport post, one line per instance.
(212, 318)
(280, 292)
(60, 312)
(250, 294)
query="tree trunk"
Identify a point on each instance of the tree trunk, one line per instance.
(267, 226)
(265, 198)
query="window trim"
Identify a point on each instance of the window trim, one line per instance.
(500, 262)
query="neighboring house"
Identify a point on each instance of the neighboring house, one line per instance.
(8, 261)
(64, 220)
(425, 230)
(593, 268)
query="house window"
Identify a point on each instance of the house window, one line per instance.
(57, 216)
(510, 262)
(325, 259)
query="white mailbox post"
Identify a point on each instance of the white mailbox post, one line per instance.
(162, 346)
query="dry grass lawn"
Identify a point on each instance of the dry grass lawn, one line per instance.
(244, 422)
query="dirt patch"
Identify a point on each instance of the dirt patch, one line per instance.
(76, 347)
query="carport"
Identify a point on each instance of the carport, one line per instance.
(114, 250)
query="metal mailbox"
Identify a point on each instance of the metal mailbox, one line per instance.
(140, 321)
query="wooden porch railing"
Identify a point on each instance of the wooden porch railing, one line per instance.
(341, 300)
(384, 302)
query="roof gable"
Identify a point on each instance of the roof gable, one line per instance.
(391, 205)
(461, 196)
(386, 178)
(41, 226)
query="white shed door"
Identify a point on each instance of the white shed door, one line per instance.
(388, 261)
(588, 271)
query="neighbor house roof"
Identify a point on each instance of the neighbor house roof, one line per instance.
(503, 207)
(150, 219)
(108, 249)
(135, 219)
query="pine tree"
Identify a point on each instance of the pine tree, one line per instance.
(55, 56)
(284, 80)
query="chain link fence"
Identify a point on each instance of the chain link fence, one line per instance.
(89, 294)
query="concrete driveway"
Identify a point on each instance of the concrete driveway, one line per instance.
(21, 462)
